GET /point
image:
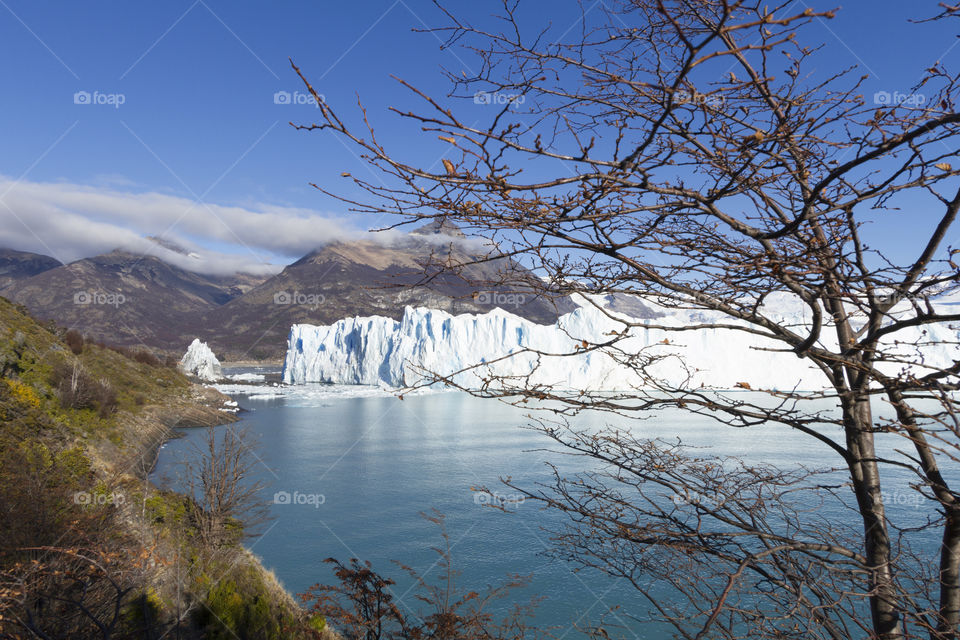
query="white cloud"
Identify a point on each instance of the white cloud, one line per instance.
(71, 221)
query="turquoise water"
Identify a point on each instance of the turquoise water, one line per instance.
(362, 468)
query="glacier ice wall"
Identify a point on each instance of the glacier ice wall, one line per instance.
(380, 351)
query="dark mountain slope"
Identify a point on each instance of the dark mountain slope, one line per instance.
(123, 298)
(20, 265)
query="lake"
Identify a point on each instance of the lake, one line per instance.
(356, 466)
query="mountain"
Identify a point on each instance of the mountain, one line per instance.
(386, 352)
(630, 305)
(439, 227)
(126, 299)
(361, 278)
(20, 265)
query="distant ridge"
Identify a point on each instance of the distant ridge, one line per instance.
(130, 299)
(20, 265)
(123, 298)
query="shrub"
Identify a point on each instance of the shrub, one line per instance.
(167, 508)
(124, 351)
(105, 397)
(145, 611)
(240, 603)
(77, 390)
(11, 353)
(147, 358)
(37, 487)
(137, 355)
(74, 340)
(23, 393)
(74, 387)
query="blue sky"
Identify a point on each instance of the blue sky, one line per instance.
(199, 123)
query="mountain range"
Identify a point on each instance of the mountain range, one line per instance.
(128, 299)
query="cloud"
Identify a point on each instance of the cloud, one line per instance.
(71, 221)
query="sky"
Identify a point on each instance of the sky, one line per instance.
(122, 119)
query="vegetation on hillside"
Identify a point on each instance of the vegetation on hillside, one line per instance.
(88, 547)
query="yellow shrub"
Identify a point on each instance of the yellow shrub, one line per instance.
(22, 393)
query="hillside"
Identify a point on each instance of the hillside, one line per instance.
(88, 547)
(20, 265)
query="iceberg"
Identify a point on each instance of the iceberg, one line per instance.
(505, 350)
(200, 361)
(247, 377)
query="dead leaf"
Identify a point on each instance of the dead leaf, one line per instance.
(448, 139)
(944, 166)
(451, 170)
(743, 385)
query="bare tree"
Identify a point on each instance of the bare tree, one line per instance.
(226, 501)
(73, 593)
(688, 152)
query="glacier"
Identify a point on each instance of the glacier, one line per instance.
(384, 352)
(200, 361)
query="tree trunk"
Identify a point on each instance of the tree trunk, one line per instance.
(950, 576)
(949, 611)
(865, 475)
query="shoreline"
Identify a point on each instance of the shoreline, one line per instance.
(163, 423)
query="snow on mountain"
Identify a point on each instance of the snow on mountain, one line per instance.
(200, 361)
(380, 351)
